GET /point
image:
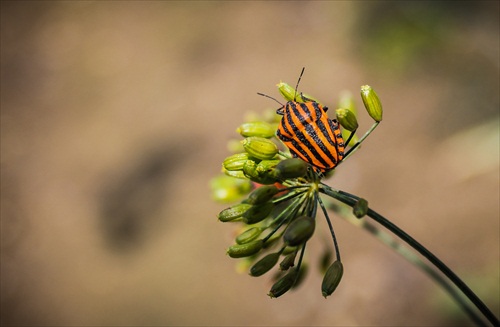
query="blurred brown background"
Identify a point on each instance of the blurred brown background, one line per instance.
(115, 115)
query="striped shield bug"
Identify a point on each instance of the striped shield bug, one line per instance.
(309, 134)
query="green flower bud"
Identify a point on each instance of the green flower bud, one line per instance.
(290, 94)
(250, 169)
(259, 174)
(235, 162)
(299, 230)
(372, 102)
(262, 194)
(332, 278)
(265, 264)
(360, 208)
(257, 128)
(249, 235)
(259, 147)
(267, 166)
(234, 212)
(288, 261)
(245, 250)
(291, 168)
(257, 213)
(284, 284)
(287, 91)
(236, 174)
(347, 119)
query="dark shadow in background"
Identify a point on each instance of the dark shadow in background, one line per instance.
(132, 205)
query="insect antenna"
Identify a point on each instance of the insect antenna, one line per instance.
(297, 86)
(270, 97)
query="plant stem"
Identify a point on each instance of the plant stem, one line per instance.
(350, 151)
(350, 200)
(334, 238)
(405, 251)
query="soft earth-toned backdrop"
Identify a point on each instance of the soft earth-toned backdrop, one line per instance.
(115, 115)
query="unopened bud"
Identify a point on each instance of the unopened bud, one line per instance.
(288, 261)
(360, 208)
(291, 168)
(249, 235)
(235, 173)
(257, 128)
(332, 278)
(290, 94)
(284, 284)
(347, 119)
(299, 230)
(233, 212)
(235, 161)
(257, 213)
(262, 194)
(265, 264)
(259, 173)
(245, 250)
(372, 102)
(249, 169)
(259, 147)
(267, 166)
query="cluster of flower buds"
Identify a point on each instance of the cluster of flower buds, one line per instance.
(281, 196)
(280, 220)
(279, 213)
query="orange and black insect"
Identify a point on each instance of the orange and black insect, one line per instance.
(309, 134)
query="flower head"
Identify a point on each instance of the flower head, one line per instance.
(280, 209)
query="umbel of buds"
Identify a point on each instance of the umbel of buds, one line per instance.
(279, 211)
(275, 214)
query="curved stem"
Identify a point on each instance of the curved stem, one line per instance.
(354, 147)
(405, 251)
(351, 200)
(332, 232)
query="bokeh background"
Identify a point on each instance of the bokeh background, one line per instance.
(116, 115)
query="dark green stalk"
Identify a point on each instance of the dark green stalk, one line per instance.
(290, 195)
(325, 213)
(417, 261)
(299, 263)
(288, 211)
(351, 200)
